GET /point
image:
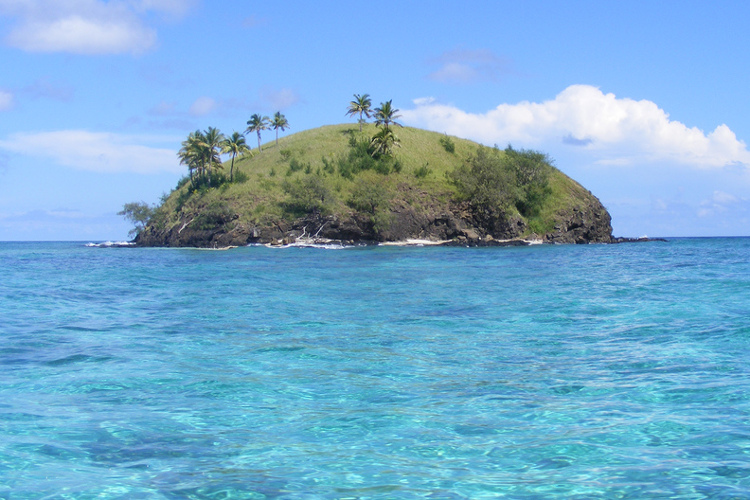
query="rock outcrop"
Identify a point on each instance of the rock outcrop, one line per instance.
(455, 223)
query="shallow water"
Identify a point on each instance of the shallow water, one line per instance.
(599, 371)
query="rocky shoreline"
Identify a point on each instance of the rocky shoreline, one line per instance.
(458, 226)
(455, 225)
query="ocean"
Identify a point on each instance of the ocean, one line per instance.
(540, 372)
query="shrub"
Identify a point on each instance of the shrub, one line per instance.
(215, 214)
(486, 182)
(360, 158)
(448, 144)
(371, 196)
(328, 165)
(295, 166)
(532, 170)
(241, 177)
(422, 171)
(308, 194)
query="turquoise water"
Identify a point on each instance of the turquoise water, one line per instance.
(600, 371)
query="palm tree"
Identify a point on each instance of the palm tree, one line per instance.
(200, 153)
(212, 140)
(386, 115)
(257, 123)
(383, 141)
(279, 122)
(360, 105)
(191, 153)
(234, 145)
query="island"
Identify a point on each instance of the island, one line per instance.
(367, 183)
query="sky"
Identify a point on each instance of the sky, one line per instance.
(644, 103)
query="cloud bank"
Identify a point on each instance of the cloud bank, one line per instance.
(615, 130)
(97, 151)
(86, 26)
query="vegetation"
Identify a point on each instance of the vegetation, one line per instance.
(386, 115)
(308, 194)
(447, 144)
(497, 182)
(139, 213)
(258, 123)
(279, 122)
(234, 145)
(200, 152)
(341, 169)
(361, 106)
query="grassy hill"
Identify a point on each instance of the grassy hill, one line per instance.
(431, 186)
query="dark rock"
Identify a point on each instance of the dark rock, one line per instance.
(644, 239)
(457, 222)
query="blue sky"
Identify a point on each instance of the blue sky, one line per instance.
(644, 103)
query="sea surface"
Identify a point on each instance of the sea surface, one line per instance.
(542, 372)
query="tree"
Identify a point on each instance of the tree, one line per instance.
(386, 115)
(309, 194)
(383, 141)
(212, 140)
(258, 123)
(360, 105)
(191, 153)
(532, 169)
(139, 213)
(372, 195)
(279, 122)
(200, 152)
(234, 145)
(487, 182)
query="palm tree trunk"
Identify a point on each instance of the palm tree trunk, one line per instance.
(231, 169)
(259, 150)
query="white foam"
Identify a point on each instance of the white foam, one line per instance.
(413, 242)
(108, 244)
(302, 244)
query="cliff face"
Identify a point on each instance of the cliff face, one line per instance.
(588, 222)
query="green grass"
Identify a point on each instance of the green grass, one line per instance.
(423, 179)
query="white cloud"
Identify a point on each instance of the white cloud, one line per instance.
(202, 106)
(466, 66)
(616, 130)
(97, 151)
(86, 26)
(79, 35)
(176, 8)
(721, 202)
(278, 99)
(6, 100)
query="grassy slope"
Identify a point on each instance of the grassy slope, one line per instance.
(260, 196)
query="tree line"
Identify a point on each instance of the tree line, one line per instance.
(202, 149)
(385, 139)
